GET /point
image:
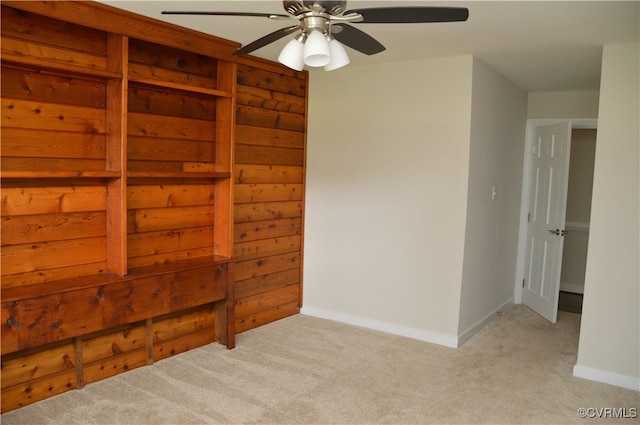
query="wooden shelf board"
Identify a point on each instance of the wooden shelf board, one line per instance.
(168, 174)
(178, 86)
(18, 293)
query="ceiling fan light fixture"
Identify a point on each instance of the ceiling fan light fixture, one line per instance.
(316, 49)
(339, 57)
(292, 55)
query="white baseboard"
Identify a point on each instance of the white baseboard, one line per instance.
(606, 377)
(464, 336)
(379, 325)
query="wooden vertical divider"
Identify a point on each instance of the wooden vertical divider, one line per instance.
(77, 345)
(224, 203)
(304, 187)
(116, 152)
(225, 318)
(148, 324)
(225, 140)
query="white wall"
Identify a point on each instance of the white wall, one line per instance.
(386, 195)
(497, 147)
(563, 104)
(609, 346)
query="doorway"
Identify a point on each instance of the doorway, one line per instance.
(578, 214)
(539, 277)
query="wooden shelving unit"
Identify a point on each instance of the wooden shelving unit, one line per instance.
(117, 216)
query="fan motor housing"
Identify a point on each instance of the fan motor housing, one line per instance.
(330, 7)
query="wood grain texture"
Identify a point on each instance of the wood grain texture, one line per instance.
(37, 228)
(38, 28)
(27, 114)
(130, 149)
(40, 143)
(107, 18)
(269, 193)
(252, 135)
(35, 364)
(255, 75)
(26, 393)
(71, 90)
(42, 319)
(269, 173)
(256, 211)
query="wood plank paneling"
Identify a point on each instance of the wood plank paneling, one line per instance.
(144, 99)
(40, 143)
(52, 199)
(259, 267)
(29, 114)
(266, 283)
(27, 85)
(267, 300)
(255, 75)
(45, 30)
(251, 173)
(250, 115)
(51, 122)
(175, 325)
(51, 255)
(177, 333)
(167, 241)
(247, 154)
(266, 229)
(113, 342)
(267, 247)
(269, 193)
(122, 152)
(35, 364)
(52, 227)
(251, 135)
(171, 65)
(267, 211)
(111, 366)
(169, 195)
(269, 99)
(112, 352)
(41, 276)
(38, 389)
(153, 219)
(251, 321)
(22, 48)
(47, 318)
(165, 127)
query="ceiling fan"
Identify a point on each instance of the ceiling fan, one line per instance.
(323, 25)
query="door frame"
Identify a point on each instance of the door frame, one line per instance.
(587, 123)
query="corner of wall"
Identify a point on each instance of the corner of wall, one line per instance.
(498, 117)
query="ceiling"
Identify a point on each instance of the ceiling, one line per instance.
(539, 45)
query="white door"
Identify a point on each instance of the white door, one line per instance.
(547, 206)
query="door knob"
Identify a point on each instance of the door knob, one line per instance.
(558, 232)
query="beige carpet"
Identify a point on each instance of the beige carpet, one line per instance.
(518, 369)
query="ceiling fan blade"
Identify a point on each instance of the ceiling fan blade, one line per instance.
(260, 15)
(263, 41)
(358, 40)
(411, 15)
